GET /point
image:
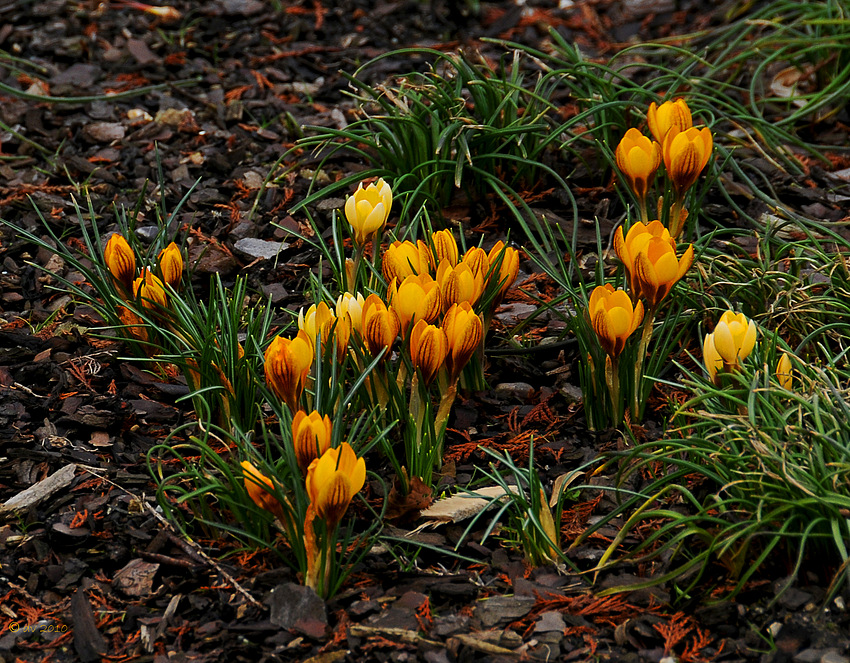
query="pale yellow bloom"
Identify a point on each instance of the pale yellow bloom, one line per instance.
(367, 210)
(729, 344)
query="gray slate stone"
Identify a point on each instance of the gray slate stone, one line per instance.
(253, 248)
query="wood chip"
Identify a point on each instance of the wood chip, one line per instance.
(88, 641)
(462, 506)
(136, 578)
(37, 492)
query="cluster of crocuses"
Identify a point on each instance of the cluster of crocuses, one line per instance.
(428, 322)
(684, 150)
(648, 250)
(332, 477)
(145, 287)
(731, 342)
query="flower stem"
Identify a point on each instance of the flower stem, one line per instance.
(612, 380)
(645, 337)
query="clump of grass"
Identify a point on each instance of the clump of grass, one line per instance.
(760, 470)
(460, 127)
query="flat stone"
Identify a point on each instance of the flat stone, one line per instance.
(644, 7)
(104, 132)
(276, 292)
(511, 314)
(141, 52)
(503, 609)
(794, 598)
(243, 7)
(330, 204)
(253, 248)
(77, 75)
(832, 656)
(810, 655)
(243, 230)
(446, 626)
(550, 621)
(136, 578)
(291, 603)
(209, 259)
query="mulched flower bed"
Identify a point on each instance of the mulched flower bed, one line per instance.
(91, 571)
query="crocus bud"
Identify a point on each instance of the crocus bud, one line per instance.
(150, 291)
(429, 347)
(367, 210)
(402, 259)
(353, 305)
(783, 371)
(317, 322)
(459, 283)
(638, 158)
(171, 265)
(508, 269)
(260, 489)
(287, 365)
(417, 298)
(134, 326)
(445, 247)
(666, 116)
(120, 260)
(380, 325)
(477, 260)
(613, 318)
(311, 437)
(464, 331)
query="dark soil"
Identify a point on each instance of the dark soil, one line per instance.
(92, 571)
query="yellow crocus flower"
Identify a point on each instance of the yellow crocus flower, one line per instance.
(685, 154)
(656, 270)
(401, 259)
(150, 290)
(120, 260)
(417, 298)
(668, 115)
(171, 265)
(638, 158)
(333, 480)
(287, 365)
(260, 489)
(429, 347)
(464, 331)
(613, 317)
(311, 437)
(380, 325)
